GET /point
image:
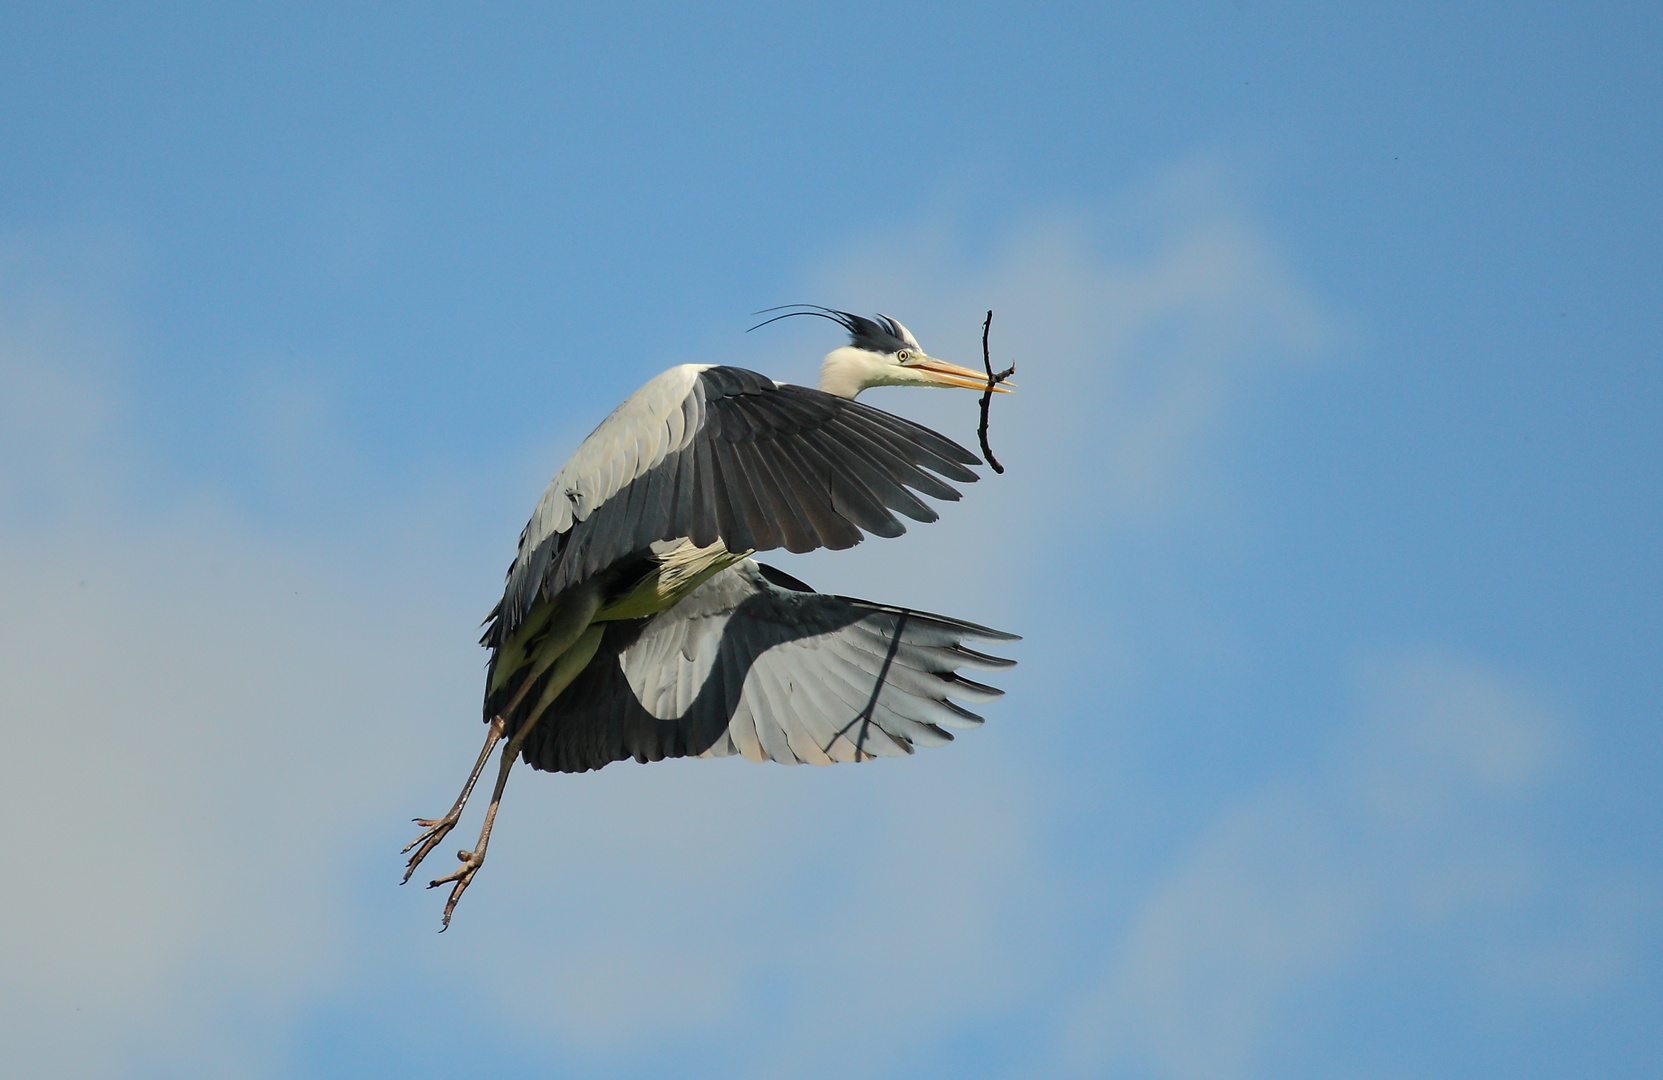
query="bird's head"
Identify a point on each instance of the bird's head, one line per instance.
(882, 352)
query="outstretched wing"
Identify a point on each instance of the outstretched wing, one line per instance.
(721, 453)
(756, 663)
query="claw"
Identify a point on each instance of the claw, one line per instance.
(434, 833)
(463, 877)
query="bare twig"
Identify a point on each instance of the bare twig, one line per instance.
(987, 395)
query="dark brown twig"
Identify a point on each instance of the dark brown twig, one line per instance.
(987, 395)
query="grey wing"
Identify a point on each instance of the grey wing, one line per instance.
(753, 662)
(721, 453)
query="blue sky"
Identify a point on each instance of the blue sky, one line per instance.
(1330, 522)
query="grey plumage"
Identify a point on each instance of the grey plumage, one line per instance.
(721, 453)
(756, 663)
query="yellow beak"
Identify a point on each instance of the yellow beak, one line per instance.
(952, 375)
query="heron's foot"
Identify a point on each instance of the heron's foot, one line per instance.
(462, 876)
(433, 834)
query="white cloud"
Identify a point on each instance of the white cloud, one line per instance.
(1131, 330)
(1409, 839)
(873, 901)
(55, 400)
(199, 727)
(198, 723)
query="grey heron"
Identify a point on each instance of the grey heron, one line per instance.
(634, 623)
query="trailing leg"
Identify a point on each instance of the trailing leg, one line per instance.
(566, 668)
(435, 829)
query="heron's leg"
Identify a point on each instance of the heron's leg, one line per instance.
(435, 830)
(567, 668)
(573, 613)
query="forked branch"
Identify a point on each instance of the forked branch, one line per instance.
(987, 395)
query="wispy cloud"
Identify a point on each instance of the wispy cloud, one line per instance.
(195, 716)
(1412, 837)
(1132, 327)
(58, 336)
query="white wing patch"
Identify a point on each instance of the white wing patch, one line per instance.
(815, 699)
(687, 654)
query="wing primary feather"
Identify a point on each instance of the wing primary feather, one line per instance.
(878, 475)
(814, 495)
(937, 443)
(809, 410)
(898, 458)
(737, 416)
(796, 534)
(982, 661)
(806, 518)
(942, 455)
(969, 689)
(731, 526)
(760, 532)
(849, 497)
(704, 523)
(775, 491)
(967, 719)
(929, 620)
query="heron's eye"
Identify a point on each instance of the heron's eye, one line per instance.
(903, 356)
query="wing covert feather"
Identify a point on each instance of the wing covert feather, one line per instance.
(710, 453)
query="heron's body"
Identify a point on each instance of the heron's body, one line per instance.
(633, 623)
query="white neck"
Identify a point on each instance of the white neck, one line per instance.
(847, 371)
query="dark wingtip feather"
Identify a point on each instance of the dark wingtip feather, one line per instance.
(991, 692)
(987, 662)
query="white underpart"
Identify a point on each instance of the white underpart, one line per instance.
(650, 425)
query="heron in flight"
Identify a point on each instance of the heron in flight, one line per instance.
(634, 623)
